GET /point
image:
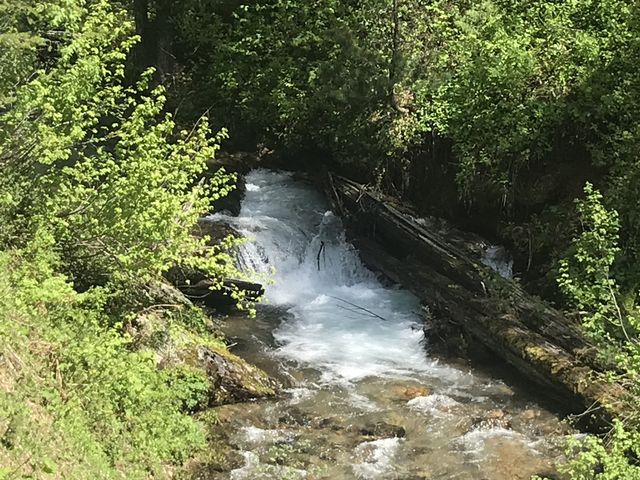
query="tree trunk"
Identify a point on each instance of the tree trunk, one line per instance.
(154, 29)
(524, 331)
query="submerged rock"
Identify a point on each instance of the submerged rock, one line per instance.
(411, 393)
(492, 419)
(294, 417)
(334, 424)
(381, 430)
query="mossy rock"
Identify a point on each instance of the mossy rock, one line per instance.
(232, 378)
(163, 293)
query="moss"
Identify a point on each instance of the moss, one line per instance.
(232, 379)
(235, 379)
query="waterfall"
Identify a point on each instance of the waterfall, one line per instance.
(344, 321)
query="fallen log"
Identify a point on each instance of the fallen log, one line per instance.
(536, 339)
(221, 297)
(198, 287)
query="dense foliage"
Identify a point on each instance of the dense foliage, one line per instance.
(76, 400)
(100, 193)
(101, 168)
(519, 115)
(536, 98)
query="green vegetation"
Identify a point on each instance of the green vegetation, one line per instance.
(100, 191)
(77, 400)
(518, 117)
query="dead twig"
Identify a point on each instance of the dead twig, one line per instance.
(358, 307)
(322, 248)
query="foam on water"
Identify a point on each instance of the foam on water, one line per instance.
(300, 394)
(344, 322)
(253, 469)
(434, 404)
(255, 435)
(475, 441)
(251, 462)
(355, 352)
(377, 458)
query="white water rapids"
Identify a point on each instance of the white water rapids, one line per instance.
(356, 350)
(346, 323)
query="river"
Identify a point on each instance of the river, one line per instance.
(364, 399)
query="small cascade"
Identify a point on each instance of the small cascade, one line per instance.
(345, 322)
(499, 259)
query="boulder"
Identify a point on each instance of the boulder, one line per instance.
(233, 379)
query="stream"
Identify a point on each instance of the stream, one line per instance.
(364, 400)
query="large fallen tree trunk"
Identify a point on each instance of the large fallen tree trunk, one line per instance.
(536, 339)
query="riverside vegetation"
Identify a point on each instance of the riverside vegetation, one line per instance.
(99, 197)
(519, 118)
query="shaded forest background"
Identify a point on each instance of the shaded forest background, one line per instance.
(516, 119)
(494, 114)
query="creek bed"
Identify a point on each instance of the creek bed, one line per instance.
(364, 398)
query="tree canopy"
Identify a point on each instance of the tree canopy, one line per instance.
(517, 118)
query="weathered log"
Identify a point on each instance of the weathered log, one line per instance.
(197, 285)
(536, 339)
(221, 297)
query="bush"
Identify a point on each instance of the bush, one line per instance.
(75, 397)
(101, 167)
(585, 275)
(100, 194)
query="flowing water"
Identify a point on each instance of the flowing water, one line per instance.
(364, 398)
